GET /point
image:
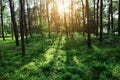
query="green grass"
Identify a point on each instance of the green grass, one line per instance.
(62, 58)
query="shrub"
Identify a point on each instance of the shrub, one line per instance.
(116, 72)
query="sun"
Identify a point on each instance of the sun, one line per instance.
(63, 6)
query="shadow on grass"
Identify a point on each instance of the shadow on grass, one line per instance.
(12, 61)
(90, 63)
(68, 59)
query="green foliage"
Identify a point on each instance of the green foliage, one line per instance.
(61, 58)
(116, 71)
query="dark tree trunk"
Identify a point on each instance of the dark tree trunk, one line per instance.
(111, 10)
(97, 22)
(22, 26)
(119, 19)
(101, 20)
(83, 13)
(88, 24)
(2, 20)
(11, 2)
(12, 33)
(94, 18)
(108, 19)
(25, 24)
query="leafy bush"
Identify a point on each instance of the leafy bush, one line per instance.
(116, 72)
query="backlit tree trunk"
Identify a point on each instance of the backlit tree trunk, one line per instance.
(72, 17)
(65, 23)
(47, 12)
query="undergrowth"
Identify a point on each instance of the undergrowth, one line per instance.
(62, 58)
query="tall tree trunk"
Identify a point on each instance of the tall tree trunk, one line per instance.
(108, 19)
(111, 9)
(83, 13)
(72, 17)
(94, 17)
(65, 23)
(11, 2)
(41, 13)
(69, 31)
(119, 19)
(22, 26)
(79, 23)
(28, 15)
(101, 20)
(1, 2)
(55, 16)
(25, 24)
(97, 22)
(26, 30)
(88, 24)
(49, 32)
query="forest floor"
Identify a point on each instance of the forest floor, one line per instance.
(62, 58)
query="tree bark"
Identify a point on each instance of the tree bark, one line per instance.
(72, 17)
(11, 2)
(101, 20)
(25, 24)
(28, 15)
(22, 26)
(108, 19)
(83, 13)
(111, 9)
(65, 23)
(49, 32)
(119, 20)
(97, 22)
(69, 31)
(2, 24)
(88, 24)
(94, 18)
